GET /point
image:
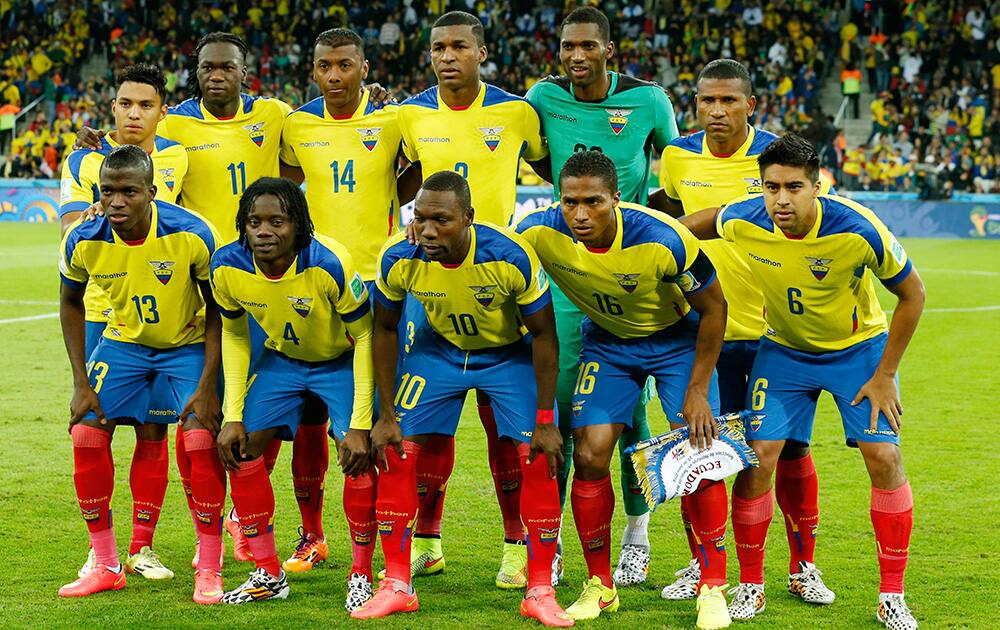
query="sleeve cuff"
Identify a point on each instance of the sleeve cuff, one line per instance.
(704, 285)
(228, 314)
(72, 283)
(357, 313)
(540, 303)
(899, 277)
(386, 301)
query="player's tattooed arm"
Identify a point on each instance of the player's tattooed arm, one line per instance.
(702, 223)
(386, 433)
(881, 390)
(72, 317)
(696, 412)
(545, 439)
(660, 200)
(204, 404)
(87, 138)
(293, 173)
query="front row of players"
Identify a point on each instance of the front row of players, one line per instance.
(653, 308)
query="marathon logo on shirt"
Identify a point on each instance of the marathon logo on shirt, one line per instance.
(819, 266)
(162, 270)
(618, 118)
(300, 304)
(627, 281)
(168, 177)
(484, 294)
(369, 136)
(256, 131)
(491, 137)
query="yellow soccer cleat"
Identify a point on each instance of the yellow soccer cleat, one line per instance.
(308, 553)
(712, 610)
(594, 600)
(513, 572)
(425, 557)
(147, 564)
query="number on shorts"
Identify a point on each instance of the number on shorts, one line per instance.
(98, 370)
(759, 394)
(290, 334)
(410, 388)
(585, 380)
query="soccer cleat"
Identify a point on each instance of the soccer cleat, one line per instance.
(147, 564)
(197, 555)
(748, 600)
(686, 584)
(893, 612)
(241, 547)
(557, 566)
(540, 604)
(89, 565)
(712, 610)
(207, 587)
(633, 566)
(100, 578)
(594, 600)
(260, 586)
(808, 585)
(392, 597)
(308, 553)
(513, 573)
(425, 557)
(359, 591)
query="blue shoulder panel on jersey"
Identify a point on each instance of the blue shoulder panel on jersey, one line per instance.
(172, 219)
(73, 206)
(319, 255)
(761, 140)
(248, 102)
(190, 108)
(641, 228)
(841, 219)
(163, 143)
(496, 96)
(428, 98)
(492, 245)
(234, 255)
(752, 211)
(75, 161)
(97, 230)
(400, 251)
(690, 143)
(314, 107)
(550, 217)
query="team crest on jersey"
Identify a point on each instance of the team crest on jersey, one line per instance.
(256, 131)
(168, 177)
(819, 266)
(484, 294)
(369, 136)
(491, 137)
(618, 118)
(627, 281)
(300, 304)
(162, 270)
(754, 186)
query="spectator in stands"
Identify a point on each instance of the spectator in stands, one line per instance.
(850, 86)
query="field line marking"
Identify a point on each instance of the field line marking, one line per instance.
(966, 272)
(28, 303)
(30, 318)
(959, 309)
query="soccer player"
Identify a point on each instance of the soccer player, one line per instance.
(824, 331)
(302, 290)
(625, 118)
(138, 107)
(705, 170)
(480, 287)
(480, 132)
(641, 280)
(151, 259)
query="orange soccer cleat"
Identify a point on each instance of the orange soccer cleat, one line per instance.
(308, 553)
(207, 587)
(540, 604)
(100, 578)
(392, 597)
(241, 547)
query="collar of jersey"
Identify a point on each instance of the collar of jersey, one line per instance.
(611, 88)
(468, 257)
(111, 141)
(476, 102)
(149, 235)
(292, 270)
(813, 231)
(358, 113)
(207, 115)
(739, 153)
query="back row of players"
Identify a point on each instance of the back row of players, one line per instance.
(627, 279)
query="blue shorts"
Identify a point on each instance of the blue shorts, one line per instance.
(126, 376)
(160, 406)
(434, 378)
(735, 363)
(613, 372)
(786, 383)
(279, 386)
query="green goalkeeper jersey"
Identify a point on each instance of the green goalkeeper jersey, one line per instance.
(634, 118)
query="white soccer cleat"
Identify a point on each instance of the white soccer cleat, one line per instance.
(359, 591)
(633, 566)
(147, 564)
(89, 565)
(686, 584)
(808, 585)
(893, 612)
(748, 600)
(557, 566)
(259, 586)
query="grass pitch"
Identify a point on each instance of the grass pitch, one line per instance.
(950, 393)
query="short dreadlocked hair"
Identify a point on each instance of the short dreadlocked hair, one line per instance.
(292, 200)
(218, 37)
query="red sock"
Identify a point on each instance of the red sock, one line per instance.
(797, 489)
(148, 480)
(359, 507)
(892, 517)
(208, 491)
(94, 478)
(254, 501)
(751, 518)
(709, 513)
(688, 528)
(271, 452)
(396, 509)
(184, 468)
(437, 460)
(541, 512)
(310, 459)
(593, 506)
(505, 464)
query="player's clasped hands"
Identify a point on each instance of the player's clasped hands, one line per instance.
(702, 428)
(882, 393)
